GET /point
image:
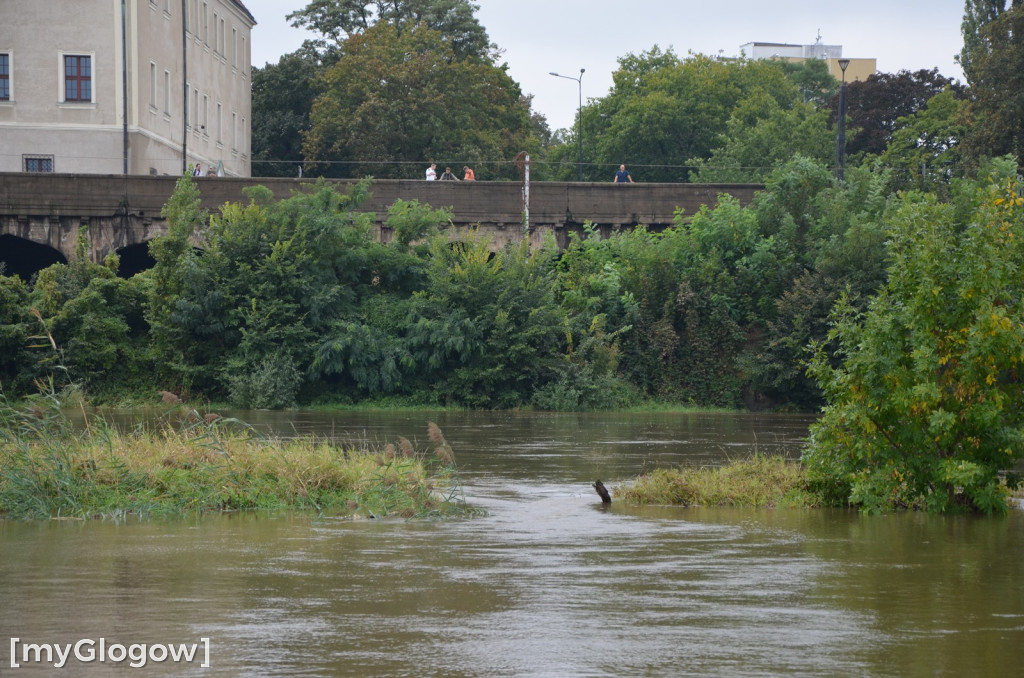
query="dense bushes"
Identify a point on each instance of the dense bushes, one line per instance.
(289, 301)
(925, 409)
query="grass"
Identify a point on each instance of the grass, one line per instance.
(759, 481)
(53, 470)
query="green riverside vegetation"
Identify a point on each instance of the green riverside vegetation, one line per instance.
(888, 299)
(207, 464)
(819, 293)
(759, 481)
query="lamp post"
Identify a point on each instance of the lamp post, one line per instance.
(841, 125)
(579, 128)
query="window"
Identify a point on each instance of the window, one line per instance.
(5, 77)
(234, 47)
(152, 85)
(77, 78)
(167, 92)
(195, 110)
(206, 24)
(206, 110)
(38, 163)
(219, 138)
(234, 131)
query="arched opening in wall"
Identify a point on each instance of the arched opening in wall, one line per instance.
(25, 258)
(134, 259)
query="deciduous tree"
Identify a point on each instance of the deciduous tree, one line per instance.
(993, 58)
(400, 98)
(873, 106)
(925, 410)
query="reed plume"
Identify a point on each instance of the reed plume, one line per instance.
(443, 450)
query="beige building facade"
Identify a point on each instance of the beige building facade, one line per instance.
(125, 86)
(856, 69)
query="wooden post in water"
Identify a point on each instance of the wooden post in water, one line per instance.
(603, 491)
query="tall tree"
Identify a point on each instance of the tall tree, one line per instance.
(759, 136)
(282, 99)
(663, 111)
(339, 20)
(925, 410)
(874, 105)
(925, 149)
(977, 15)
(404, 96)
(993, 59)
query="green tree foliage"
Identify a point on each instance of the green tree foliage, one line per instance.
(16, 326)
(103, 336)
(400, 98)
(282, 99)
(663, 112)
(924, 152)
(760, 136)
(339, 20)
(270, 279)
(97, 321)
(874, 106)
(482, 332)
(977, 15)
(836, 241)
(817, 85)
(174, 256)
(488, 325)
(925, 409)
(993, 59)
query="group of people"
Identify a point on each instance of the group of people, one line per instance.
(197, 171)
(621, 177)
(468, 174)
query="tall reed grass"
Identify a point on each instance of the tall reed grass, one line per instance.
(204, 464)
(759, 481)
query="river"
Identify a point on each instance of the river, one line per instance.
(547, 581)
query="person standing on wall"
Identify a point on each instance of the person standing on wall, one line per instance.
(623, 176)
(432, 172)
(448, 176)
(468, 174)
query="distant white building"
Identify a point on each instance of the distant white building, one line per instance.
(857, 69)
(125, 86)
(780, 50)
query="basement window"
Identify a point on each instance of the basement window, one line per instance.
(37, 163)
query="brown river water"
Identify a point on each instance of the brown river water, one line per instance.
(546, 582)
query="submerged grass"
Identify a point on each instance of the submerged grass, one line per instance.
(759, 481)
(51, 469)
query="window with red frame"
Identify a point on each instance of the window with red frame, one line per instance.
(77, 78)
(5, 77)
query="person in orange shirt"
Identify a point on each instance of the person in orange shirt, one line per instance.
(469, 175)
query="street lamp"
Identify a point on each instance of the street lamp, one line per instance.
(579, 132)
(841, 126)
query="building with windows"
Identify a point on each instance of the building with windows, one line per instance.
(125, 86)
(857, 69)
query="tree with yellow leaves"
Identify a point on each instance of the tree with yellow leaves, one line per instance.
(926, 409)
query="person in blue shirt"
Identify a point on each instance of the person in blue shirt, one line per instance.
(622, 176)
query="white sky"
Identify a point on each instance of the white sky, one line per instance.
(540, 36)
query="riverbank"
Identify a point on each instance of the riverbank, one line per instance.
(210, 464)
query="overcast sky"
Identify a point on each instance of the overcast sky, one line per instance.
(540, 36)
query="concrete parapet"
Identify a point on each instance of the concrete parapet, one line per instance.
(123, 210)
